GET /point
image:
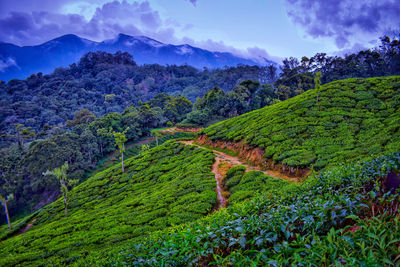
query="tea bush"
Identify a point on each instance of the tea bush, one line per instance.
(164, 186)
(243, 185)
(354, 119)
(323, 221)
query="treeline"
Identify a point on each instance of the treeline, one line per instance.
(297, 76)
(216, 104)
(103, 83)
(82, 143)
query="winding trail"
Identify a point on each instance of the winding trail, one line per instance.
(222, 158)
(222, 200)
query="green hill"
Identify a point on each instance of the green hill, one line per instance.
(164, 186)
(341, 217)
(353, 119)
(159, 212)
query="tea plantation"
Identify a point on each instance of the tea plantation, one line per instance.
(353, 119)
(342, 217)
(167, 185)
(161, 211)
(244, 186)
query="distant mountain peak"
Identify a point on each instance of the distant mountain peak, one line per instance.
(69, 48)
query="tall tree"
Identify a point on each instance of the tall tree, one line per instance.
(4, 202)
(120, 140)
(65, 182)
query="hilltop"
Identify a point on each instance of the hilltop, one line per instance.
(353, 119)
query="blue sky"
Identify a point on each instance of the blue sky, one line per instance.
(251, 28)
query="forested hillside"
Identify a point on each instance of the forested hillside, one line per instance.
(103, 83)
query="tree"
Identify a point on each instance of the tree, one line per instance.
(83, 116)
(156, 134)
(120, 140)
(317, 81)
(65, 182)
(4, 203)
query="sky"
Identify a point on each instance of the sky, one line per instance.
(274, 29)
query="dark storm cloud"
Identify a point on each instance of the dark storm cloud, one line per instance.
(344, 20)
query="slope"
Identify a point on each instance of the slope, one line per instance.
(164, 186)
(342, 217)
(353, 119)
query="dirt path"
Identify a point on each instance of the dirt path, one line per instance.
(222, 201)
(236, 161)
(232, 161)
(177, 129)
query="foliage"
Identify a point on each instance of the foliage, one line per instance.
(354, 119)
(242, 186)
(102, 83)
(85, 143)
(322, 221)
(245, 97)
(164, 186)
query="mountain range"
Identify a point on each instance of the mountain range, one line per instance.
(22, 61)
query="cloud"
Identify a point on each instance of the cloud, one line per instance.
(22, 27)
(345, 21)
(194, 2)
(6, 63)
(357, 47)
(254, 53)
(108, 20)
(187, 27)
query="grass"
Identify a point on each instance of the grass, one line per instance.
(164, 186)
(354, 119)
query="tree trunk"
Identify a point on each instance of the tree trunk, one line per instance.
(157, 140)
(65, 204)
(7, 215)
(122, 162)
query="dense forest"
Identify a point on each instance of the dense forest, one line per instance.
(103, 83)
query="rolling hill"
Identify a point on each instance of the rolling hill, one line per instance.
(354, 119)
(20, 62)
(167, 185)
